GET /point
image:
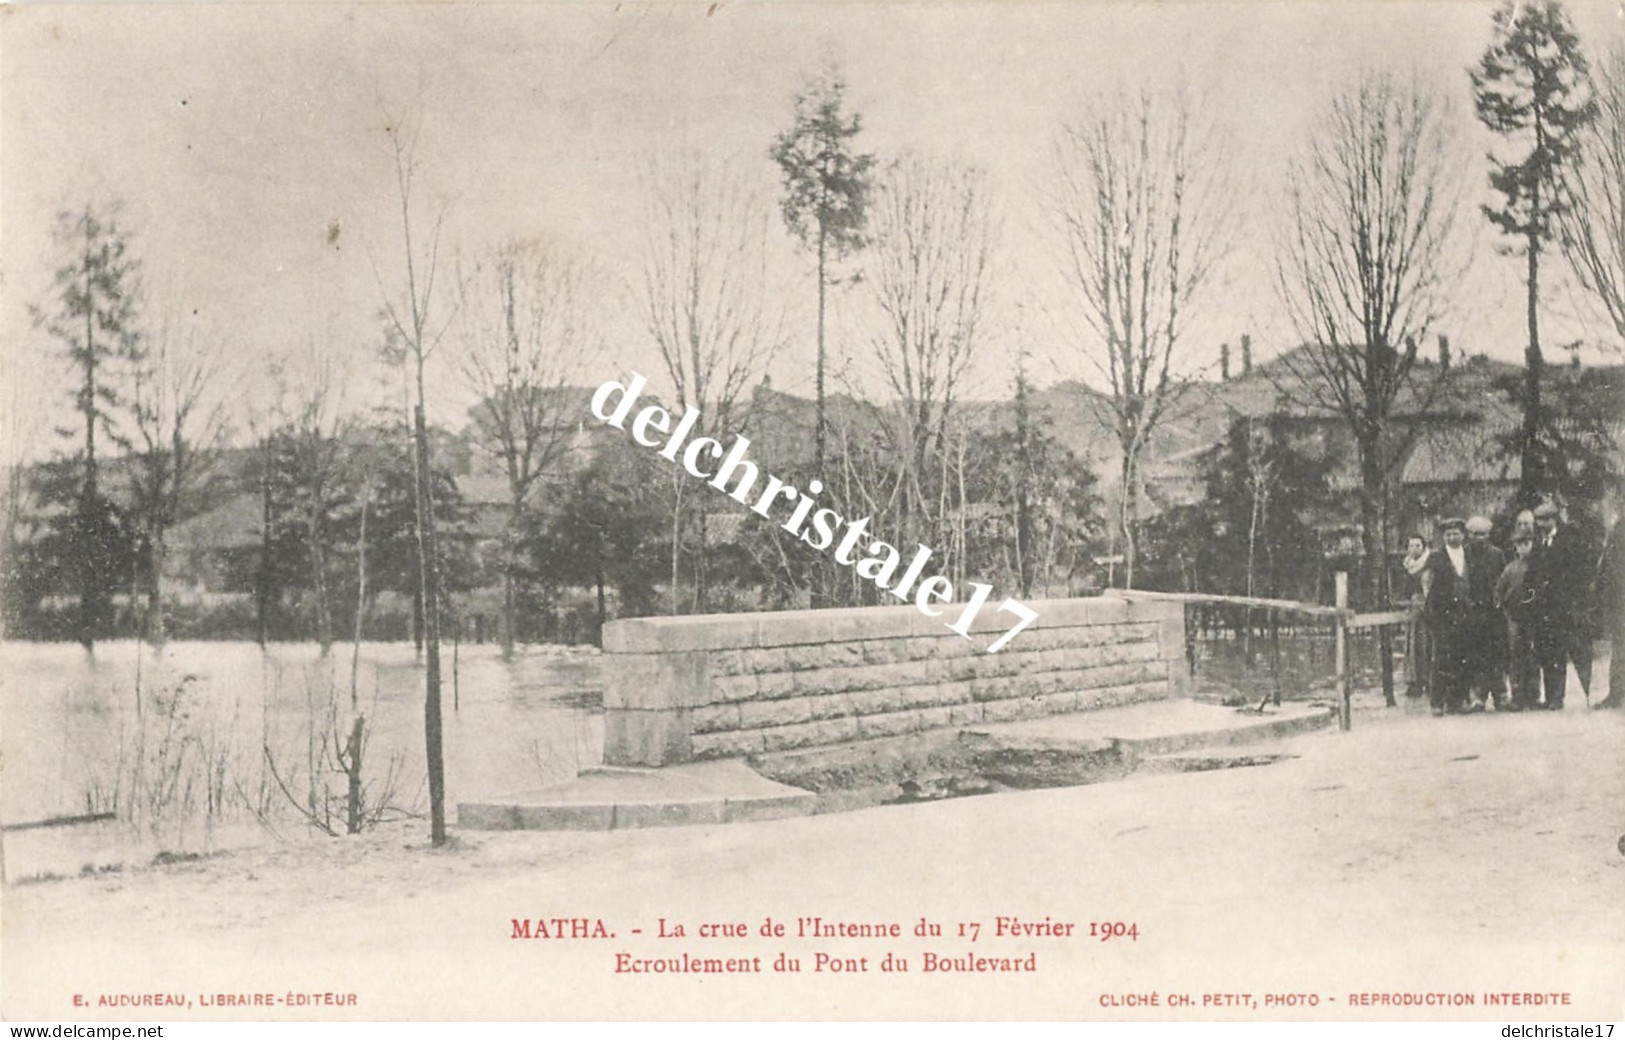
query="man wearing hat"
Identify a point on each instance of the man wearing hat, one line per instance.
(1487, 677)
(1452, 616)
(1609, 596)
(1561, 570)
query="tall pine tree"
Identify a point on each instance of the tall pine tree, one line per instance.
(93, 314)
(1533, 88)
(826, 188)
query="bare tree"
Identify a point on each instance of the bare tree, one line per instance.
(1592, 227)
(1365, 271)
(705, 295)
(417, 332)
(527, 323)
(180, 422)
(1144, 220)
(310, 450)
(932, 264)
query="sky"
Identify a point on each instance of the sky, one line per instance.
(246, 145)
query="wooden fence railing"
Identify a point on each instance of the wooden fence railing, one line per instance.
(1339, 616)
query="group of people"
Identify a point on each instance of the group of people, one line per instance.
(1501, 628)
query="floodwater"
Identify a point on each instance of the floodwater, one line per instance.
(195, 740)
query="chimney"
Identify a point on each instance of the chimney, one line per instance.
(1444, 352)
(1224, 362)
(1246, 354)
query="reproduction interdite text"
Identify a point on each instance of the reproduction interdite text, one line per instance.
(815, 945)
(881, 559)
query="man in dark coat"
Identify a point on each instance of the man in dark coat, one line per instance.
(1453, 616)
(1513, 596)
(1609, 596)
(1486, 562)
(1561, 571)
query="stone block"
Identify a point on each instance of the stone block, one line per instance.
(964, 714)
(775, 685)
(826, 655)
(1010, 710)
(882, 651)
(1155, 609)
(713, 718)
(646, 738)
(791, 628)
(832, 706)
(1058, 702)
(730, 744)
(871, 702)
(784, 712)
(1116, 696)
(868, 623)
(485, 817)
(957, 669)
(1179, 678)
(733, 688)
(938, 717)
(890, 724)
(1069, 613)
(656, 681)
(1171, 639)
(680, 634)
(728, 663)
(808, 734)
(837, 730)
(925, 695)
(749, 809)
(766, 659)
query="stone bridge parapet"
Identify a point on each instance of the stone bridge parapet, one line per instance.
(682, 689)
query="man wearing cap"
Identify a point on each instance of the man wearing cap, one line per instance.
(1451, 615)
(1487, 675)
(1514, 596)
(1561, 570)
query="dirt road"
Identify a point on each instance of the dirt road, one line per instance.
(1415, 860)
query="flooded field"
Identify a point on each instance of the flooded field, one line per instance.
(196, 742)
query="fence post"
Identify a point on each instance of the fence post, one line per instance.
(1275, 653)
(1340, 648)
(1385, 650)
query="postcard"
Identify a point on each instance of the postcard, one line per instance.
(812, 511)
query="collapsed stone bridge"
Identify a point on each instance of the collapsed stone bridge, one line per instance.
(717, 719)
(685, 689)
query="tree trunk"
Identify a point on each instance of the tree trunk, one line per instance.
(428, 572)
(262, 589)
(676, 534)
(318, 566)
(90, 610)
(1128, 515)
(510, 578)
(360, 601)
(157, 551)
(702, 577)
(1384, 587)
(823, 290)
(1372, 486)
(1532, 478)
(1025, 550)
